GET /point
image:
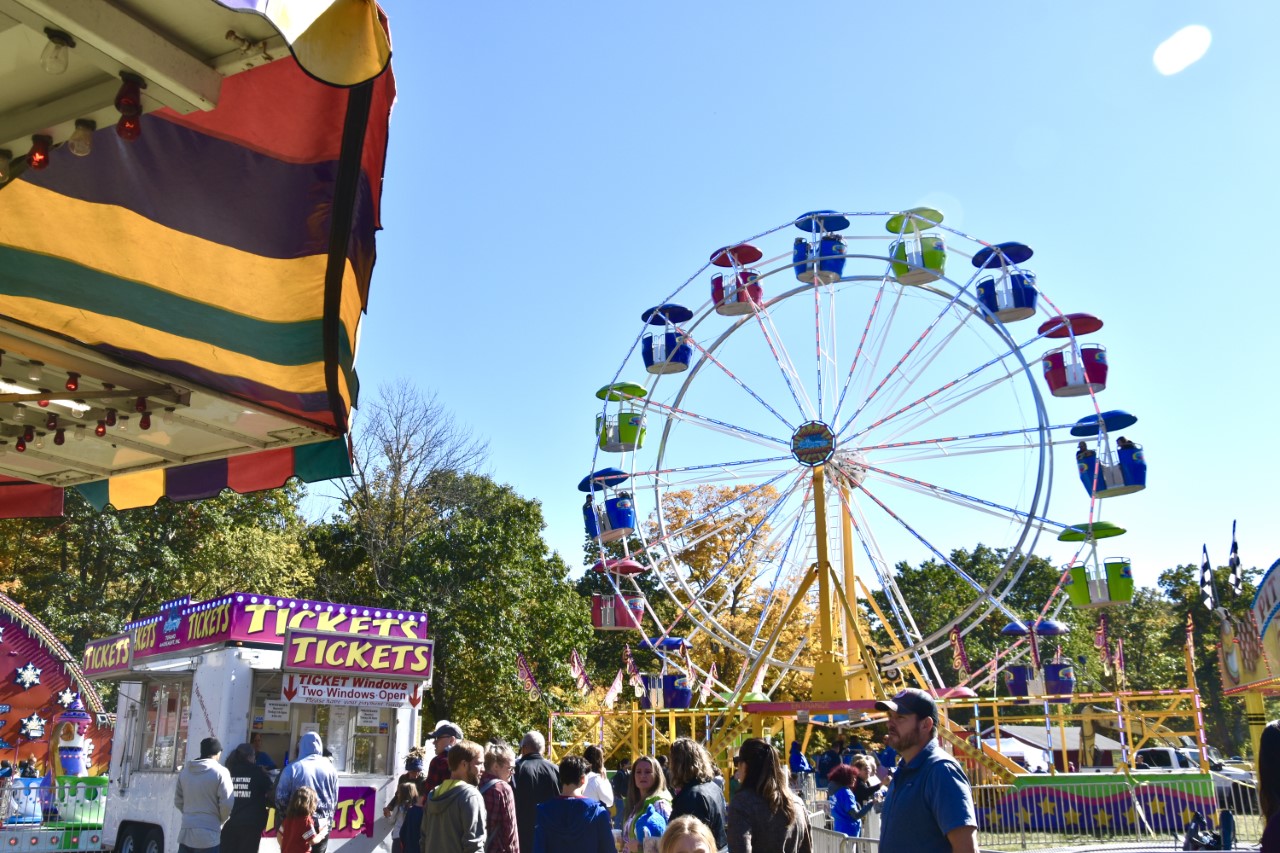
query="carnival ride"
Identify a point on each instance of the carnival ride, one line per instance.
(844, 400)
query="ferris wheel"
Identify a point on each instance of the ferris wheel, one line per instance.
(819, 402)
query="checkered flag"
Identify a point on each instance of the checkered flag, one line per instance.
(1237, 577)
(1207, 594)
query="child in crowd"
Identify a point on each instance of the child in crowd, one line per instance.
(687, 834)
(298, 832)
(406, 797)
(411, 830)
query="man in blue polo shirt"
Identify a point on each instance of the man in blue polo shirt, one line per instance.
(929, 805)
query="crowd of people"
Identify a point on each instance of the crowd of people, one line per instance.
(483, 799)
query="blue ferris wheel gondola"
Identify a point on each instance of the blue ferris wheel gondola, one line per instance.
(1003, 253)
(613, 519)
(666, 351)
(822, 221)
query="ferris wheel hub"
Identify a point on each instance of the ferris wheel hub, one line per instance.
(813, 443)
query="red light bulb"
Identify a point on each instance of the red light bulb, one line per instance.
(145, 421)
(140, 405)
(129, 95)
(38, 156)
(29, 433)
(73, 381)
(51, 422)
(129, 128)
(20, 445)
(44, 404)
(60, 437)
(101, 429)
(111, 417)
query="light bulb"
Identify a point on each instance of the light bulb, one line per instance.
(29, 432)
(79, 433)
(57, 53)
(145, 421)
(111, 417)
(60, 437)
(122, 423)
(51, 422)
(44, 404)
(38, 156)
(77, 412)
(6, 157)
(101, 429)
(35, 369)
(129, 128)
(39, 441)
(140, 404)
(129, 95)
(81, 141)
(73, 381)
(168, 415)
(19, 412)
(20, 445)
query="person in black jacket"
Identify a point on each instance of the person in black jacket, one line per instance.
(536, 781)
(621, 782)
(251, 799)
(697, 794)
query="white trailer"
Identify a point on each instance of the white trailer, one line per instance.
(247, 664)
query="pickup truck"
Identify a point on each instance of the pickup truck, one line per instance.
(1234, 787)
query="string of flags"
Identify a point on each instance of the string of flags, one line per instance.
(959, 655)
(579, 671)
(629, 673)
(525, 675)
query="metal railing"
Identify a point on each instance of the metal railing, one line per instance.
(29, 803)
(1114, 810)
(830, 841)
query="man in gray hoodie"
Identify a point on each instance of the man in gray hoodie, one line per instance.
(314, 771)
(203, 795)
(453, 817)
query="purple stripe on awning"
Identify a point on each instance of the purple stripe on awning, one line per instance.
(196, 481)
(248, 201)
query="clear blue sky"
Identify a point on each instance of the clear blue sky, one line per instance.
(556, 168)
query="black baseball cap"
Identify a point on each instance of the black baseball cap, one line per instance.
(911, 701)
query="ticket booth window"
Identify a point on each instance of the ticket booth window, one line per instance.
(167, 712)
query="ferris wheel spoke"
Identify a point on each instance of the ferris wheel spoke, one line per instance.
(947, 561)
(669, 537)
(958, 498)
(942, 441)
(710, 466)
(946, 386)
(695, 598)
(862, 343)
(778, 574)
(686, 416)
(897, 367)
(710, 357)
(784, 362)
(893, 594)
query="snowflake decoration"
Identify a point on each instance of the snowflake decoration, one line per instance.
(33, 727)
(29, 676)
(66, 697)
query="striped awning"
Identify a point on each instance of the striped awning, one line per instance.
(224, 255)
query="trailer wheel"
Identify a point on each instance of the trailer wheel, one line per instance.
(128, 839)
(154, 842)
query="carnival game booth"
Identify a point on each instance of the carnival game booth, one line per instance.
(244, 664)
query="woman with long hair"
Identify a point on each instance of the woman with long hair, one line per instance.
(1269, 785)
(764, 816)
(648, 804)
(597, 787)
(696, 793)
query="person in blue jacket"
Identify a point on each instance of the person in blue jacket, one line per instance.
(314, 771)
(572, 822)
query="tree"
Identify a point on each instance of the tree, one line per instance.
(419, 529)
(401, 441)
(89, 573)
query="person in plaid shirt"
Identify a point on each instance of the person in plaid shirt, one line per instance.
(499, 800)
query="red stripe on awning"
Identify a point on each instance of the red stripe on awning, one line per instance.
(267, 469)
(21, 499)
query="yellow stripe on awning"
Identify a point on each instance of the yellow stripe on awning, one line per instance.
(96, 329)
(143, 488)
(191, 267)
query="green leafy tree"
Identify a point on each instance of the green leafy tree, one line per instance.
(89, 573)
